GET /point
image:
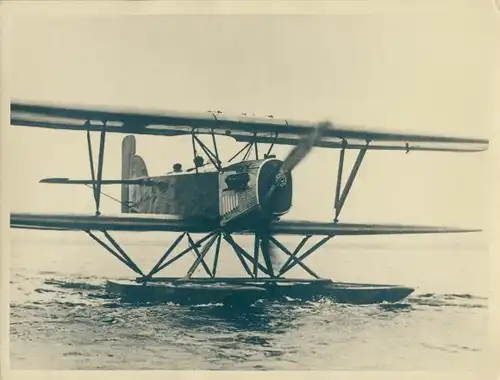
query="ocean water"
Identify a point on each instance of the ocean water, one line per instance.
(61, 318)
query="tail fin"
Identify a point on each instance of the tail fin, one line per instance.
(128, 151)
(133, 166)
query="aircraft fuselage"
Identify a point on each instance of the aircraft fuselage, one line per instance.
(234, 196)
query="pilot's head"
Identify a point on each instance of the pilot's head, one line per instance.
(198, 161)
(177, 168)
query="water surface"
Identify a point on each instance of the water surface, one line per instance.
(61, 317)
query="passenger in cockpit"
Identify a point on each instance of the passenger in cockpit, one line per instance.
(177, 168)
(198, 161)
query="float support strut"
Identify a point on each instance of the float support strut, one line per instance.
(184, 252)
(256, 249)
(241, 253)
(124, 254)
(294, 254)
(294, 259)
(164, 257)
(216, 257)
(200, 256)
(306, 254)
(125, 259)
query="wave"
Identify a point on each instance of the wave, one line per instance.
(465, 300)
(73, 285)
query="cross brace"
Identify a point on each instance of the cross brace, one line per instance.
(202, 247)
(213, 155)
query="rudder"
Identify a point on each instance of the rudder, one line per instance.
(133, 166)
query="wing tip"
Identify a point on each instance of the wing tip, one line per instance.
(54, 180)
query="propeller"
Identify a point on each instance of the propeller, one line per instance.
(297, 155)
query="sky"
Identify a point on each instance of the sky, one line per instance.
(416, 72)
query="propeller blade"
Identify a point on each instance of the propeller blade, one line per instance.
(301, 150)
(298, 153)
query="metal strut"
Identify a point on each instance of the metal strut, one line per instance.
(242, 255)
(96, 182)
(256, 145)
(247, 146)
(120, 255)
(214, 141)
(195, 154)
(253, 144)
(216, 257)
(240, 252)
(292, 257)
(162, 264)
(164, 257)
(289, 265)
(214, 158)
(256, 249)
(247, 154)
(272, 145)
(294, 254)
(340, 197)
(199, 256)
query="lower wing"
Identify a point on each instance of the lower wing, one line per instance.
(299, 227)
(172, 223)
(137, 223)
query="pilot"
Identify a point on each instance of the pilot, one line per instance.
(198, 161)
(177, 168)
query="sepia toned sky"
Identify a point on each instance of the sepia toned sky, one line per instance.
(418, 72)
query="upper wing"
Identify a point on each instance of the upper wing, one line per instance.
(242, 128)
(81, 222)
(143, 223)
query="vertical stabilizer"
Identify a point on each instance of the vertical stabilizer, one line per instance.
(128, 151)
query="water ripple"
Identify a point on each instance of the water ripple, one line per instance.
(90, 329)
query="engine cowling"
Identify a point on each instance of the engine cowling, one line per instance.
(243, 188)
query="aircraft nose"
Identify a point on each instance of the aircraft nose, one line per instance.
(280, 201)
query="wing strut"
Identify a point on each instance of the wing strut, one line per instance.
(96, 183)
(213, 156)
(341, 196)
(247, 146)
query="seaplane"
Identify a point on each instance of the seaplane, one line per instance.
(212, 202)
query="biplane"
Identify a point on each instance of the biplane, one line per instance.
(249, 194)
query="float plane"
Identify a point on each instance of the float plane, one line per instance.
(249, 194)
